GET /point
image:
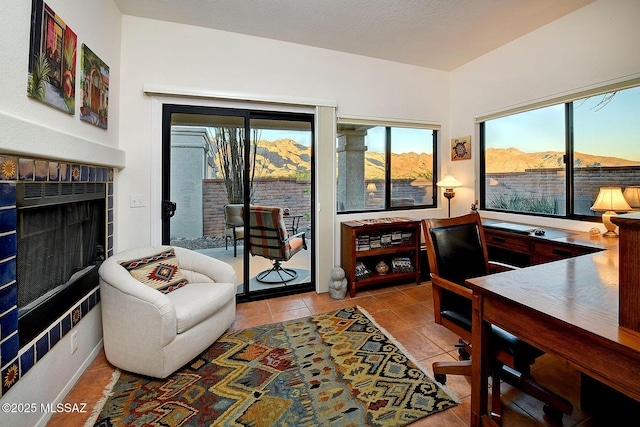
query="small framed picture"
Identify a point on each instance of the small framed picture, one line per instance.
(461, 148)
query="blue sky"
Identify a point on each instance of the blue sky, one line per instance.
(606, 129)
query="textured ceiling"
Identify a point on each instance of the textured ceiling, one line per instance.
(439, 34)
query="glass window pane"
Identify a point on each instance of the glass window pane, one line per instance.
(411, 167)
(606, 146)
(375, 167)
(363, 154)
(524, 168)
(361, 167)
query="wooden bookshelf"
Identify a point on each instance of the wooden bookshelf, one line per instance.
(364, 243)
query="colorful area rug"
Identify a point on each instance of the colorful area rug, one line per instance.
(332, 369)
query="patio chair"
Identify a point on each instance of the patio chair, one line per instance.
(234, 225)
(269, 238)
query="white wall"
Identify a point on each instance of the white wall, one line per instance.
(31, 128)
(166, 54)
(594, 46)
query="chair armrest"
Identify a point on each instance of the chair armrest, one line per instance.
(302, 235)
(451, 286)
(125, 301)
(497, 267)
(213, 268)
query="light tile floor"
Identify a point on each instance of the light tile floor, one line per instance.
(404, 311)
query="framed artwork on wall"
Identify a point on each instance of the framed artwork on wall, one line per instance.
(461, 148)
(52, 59)
(94, 81)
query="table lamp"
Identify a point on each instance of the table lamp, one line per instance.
(632, 196)
(449, 183)
(371, 188)
(610, 200)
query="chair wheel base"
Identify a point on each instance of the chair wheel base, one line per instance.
(277, 274)
(441, 378)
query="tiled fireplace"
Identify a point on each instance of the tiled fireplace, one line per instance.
(19, 354)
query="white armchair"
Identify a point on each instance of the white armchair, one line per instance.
(152, 333)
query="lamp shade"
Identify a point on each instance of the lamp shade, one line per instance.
(371, 187)
(632, 195)
(449, 182)
(611, 199)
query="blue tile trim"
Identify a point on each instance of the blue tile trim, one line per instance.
(54, 335)
(7, 271)
(8, 219)
(15, 362)
(8, 192)
(8, 323)
(27, 360)
(9, 349)
(10, 375)
(8, 245)
(42, 347)
(8, 297)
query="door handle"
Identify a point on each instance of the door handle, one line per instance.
(168, 209)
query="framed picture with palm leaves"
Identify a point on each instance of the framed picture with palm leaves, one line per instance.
(52, 59)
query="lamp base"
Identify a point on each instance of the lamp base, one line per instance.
(610, 226)
(449, 194)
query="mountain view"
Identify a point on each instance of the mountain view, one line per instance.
(287, 158)
(514, 160)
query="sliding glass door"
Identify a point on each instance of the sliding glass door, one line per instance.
(219, 165)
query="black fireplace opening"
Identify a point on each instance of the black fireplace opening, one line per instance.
(60, 245)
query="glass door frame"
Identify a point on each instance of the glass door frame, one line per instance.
(247, 115)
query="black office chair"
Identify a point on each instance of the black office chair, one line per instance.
(457, 250)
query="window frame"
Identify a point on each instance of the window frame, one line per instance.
(568, 158)
(388, 181)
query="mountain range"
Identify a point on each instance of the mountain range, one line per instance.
(288, 158)
(514, 160)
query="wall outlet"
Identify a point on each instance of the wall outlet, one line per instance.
(74, 342)
(136, 200)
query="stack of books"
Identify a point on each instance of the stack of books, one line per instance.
(362, 272)
(401, 265)
(363, 242)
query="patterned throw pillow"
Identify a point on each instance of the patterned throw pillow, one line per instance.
(159, 271)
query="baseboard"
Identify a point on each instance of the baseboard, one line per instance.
(42, 422)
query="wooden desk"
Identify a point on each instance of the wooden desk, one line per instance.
(568, 308)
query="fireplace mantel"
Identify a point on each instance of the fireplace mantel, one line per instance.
(15, 361)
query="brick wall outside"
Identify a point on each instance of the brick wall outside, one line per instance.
(549, 183)
(284, 192)
(295, 195)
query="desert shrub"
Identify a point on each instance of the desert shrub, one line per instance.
(519, 203)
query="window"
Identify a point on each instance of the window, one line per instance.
(553, 160)
(384, 167)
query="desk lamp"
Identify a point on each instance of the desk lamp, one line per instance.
(610, 200)
(449, 183)
(632, 195)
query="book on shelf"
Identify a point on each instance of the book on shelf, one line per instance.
(396, 237)
(401, 265)
(362, 272)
